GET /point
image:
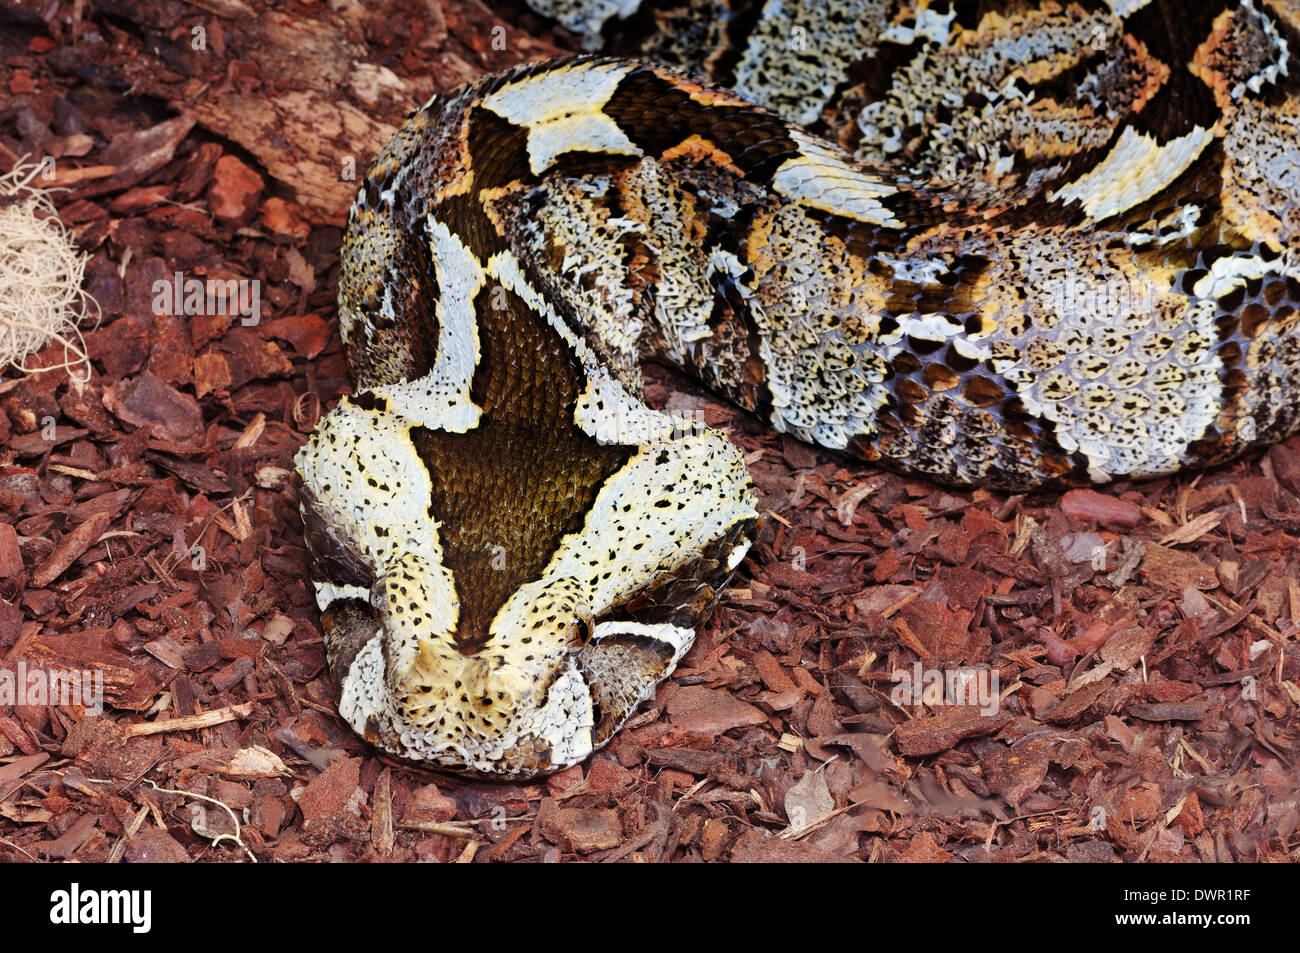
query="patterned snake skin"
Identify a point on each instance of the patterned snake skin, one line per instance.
(994, 243)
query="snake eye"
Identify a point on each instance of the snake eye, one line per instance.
(583, 628)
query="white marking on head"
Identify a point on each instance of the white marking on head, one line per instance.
(667, 633)
(566, 720)
(930, 327)
(561, 110)
(372, 489)
(460, 278)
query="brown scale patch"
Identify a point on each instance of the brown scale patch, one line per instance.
(912, 415)
(331, 560)
(1275, 292)
(937, 377)
(469, 222)
(684, 596)
(960, 291)
(908, 297)
(906, 363)
(957, 361)
(1254, 318)
(1216, 446)
(688, 34)
(617, 669)
(735, 367)
(1043, 143)
(863, 447)
(983, 391)
(377, 256)
(1262, 366)
(985, 321)
(525, 477)
(1225, 325)
(910, 391)
(1148, 72)
(1221, 441)
(1126, 78)
(1056, 467)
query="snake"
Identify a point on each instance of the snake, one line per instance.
(1008, 244)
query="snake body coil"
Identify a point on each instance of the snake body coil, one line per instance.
(1029, 245)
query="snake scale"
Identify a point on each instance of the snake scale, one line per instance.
(1001, 243)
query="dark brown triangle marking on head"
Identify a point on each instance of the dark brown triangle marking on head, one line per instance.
(509, 490)
(498, 150)
(498, 157)
(465, 218)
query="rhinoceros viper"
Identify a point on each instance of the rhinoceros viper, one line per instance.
(1005, 244)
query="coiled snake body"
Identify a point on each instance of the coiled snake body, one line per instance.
(1030, 245)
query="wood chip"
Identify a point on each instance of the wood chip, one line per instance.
(205, 719)
(69, 547)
